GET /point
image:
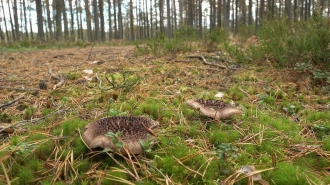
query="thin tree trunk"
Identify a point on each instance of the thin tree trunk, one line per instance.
(175, 16)
(17, 33)
(131, 20)
(72, 21)
(49, 19)
(4, 19)
(250, 13)
(41, 34)
(81, 22)
(88, 20)
(25, 20)
(151, 19)
(161, 15)
(219, 12)
(96, 22)
(115, 19)
(147, 21)
(191, 15)
(110, 22)
(30, 18)
(120, 20)
(169, 33)
(236, 17)
(58, 18)
(200, 19)
(77, 18)
(256, 21)
(101, 8)
(11, 22)
(44, 22)
(65, 19)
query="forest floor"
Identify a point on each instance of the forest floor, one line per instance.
(48, 96)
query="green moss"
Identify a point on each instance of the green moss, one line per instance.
(25, 175)
(70, 126)
(35, 165)
(287, 173)
(79, 147)
(5, 118)
(217, 137)
(44, 150)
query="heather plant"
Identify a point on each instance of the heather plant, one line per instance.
(285, 44)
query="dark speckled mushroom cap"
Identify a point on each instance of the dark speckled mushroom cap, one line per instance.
(133, 128)
(214, 108)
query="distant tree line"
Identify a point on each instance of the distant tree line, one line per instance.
(105, 20)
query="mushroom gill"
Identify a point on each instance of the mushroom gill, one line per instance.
(214, 108)
(133, 128)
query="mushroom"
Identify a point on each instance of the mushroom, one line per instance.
(133, 128)
(214, 108)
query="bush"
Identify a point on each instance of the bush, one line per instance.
(303, 41)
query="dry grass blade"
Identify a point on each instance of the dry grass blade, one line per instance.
(236, 176)
(127, 170)
(191, 170)
(5, 172)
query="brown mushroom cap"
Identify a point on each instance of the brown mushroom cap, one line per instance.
(214, 108)
(133, 128)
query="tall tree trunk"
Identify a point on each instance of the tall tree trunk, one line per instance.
(120, 20)
(30, 21)
(175, 16)
(236, 17)
(110, 22)
(226, 11)
(11, 22)
(288, 9)
(250, 13)
(168, 12)
(17, 33)
(131, 20)
(96, 22)
(181, 5)
(115, 19)
(72, 21)
(25, 20)
(50, 24)
(88, 20)
(78, 12)
(295, 10)
(161, 15)
(58, 17)
(257, 18)
(151, 19)
(191, 14)
(41, 34)
(101, 7)
(243, 8)
(219, 12)
(200, 19)
(81, 21)
(65, 19)
(261, 11)
(4, 19)
(44, 22)
(147, 20)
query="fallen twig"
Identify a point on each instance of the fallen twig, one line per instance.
(18, 89)
(201, 57)
(100, 83)
(23, 122)
(11, 102)
(60, 79)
